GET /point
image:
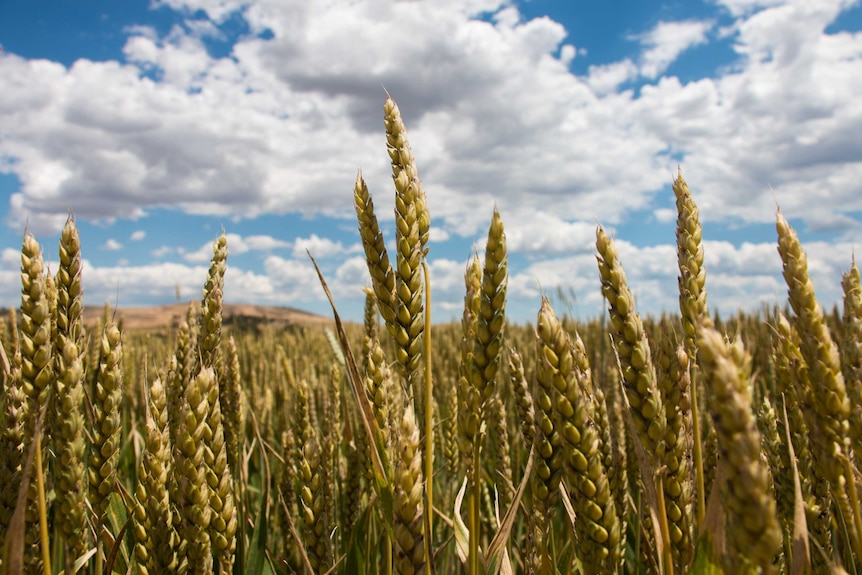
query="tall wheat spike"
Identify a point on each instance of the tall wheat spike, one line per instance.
(692, 307)
(794, 387)
(409, 319)
(13, 435)
(780, 468)
(182, 368)
(828, 422)
(312, 501)
(633, 350)
(408, 526)
(491, 315)
(190, 471)
(231, 398)
(754, 531)
(568, 378)
(105, 447)
(211, 305)
(672, 370)
(468, 395)
(382, 276)
(523, 398)
(545, 480)
(223, 523)
(469, 405)
(37, 371)
(852, 354)
(69, 441)
(152, 512)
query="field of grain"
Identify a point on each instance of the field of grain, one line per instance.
(683, 444)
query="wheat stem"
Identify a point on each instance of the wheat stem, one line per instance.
(429, 426)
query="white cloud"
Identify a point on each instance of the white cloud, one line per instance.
(138, 235)
(236, 245)
(137, 284)
(320, 247)
(10, 259)
(494, 115)
(667, 40)
(305, 113)
(256, 242)
(780, 122)
(543, 234)
(665, 215)
(567, 54)
(737, 278)
(204, 28)
(743, 7)
(112, 245)
(162, 251)
(295, 279)
(606, 78)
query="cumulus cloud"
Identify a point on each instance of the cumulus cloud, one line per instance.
(305, 112)
(778, 123)
(606, 78)
(738, 278)
(237, 245)
(667, 40)
(162, 251)
(495, 116)
(544, 234)
(112, 245)
(138, 235)
(321, 247)
(169, 143)
(742, 7)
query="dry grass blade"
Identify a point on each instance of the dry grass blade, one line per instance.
(299, 545)
(115, 548)
(801, 560)
(462, 532)
(498, 544)
(646, 470)
(378, 456)
(13, 549)
(4, 359)
(715, 519)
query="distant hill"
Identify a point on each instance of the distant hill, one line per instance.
(166, 316)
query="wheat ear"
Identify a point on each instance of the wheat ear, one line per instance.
(692, 307)
(755, 533)
(565, 372)
(69, 440)
(829, 422)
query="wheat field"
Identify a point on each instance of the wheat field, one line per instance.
(678, 444)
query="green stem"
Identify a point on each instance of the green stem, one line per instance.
(667, 556)
(239, 561)
(429, 425)
(698, 454)
(854, 504)
(387, 554)
(475, 513)
(43, 507)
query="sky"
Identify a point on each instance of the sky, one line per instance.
(159, 124)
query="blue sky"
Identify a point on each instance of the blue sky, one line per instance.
(160, 124)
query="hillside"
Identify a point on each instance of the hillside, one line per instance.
(155, 317)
